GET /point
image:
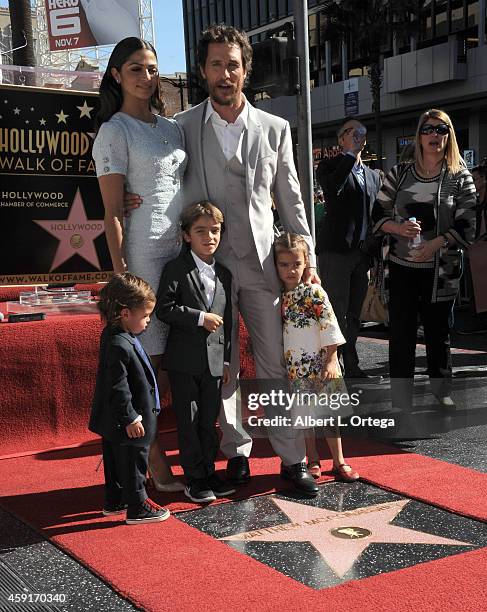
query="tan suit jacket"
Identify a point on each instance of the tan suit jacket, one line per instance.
(270, 171)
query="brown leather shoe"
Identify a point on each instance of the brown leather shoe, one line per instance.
(343, 474)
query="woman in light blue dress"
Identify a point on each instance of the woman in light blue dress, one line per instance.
(138, 150)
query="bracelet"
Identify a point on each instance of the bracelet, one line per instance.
(446, 243)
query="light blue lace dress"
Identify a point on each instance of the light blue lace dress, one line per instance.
(153, 160)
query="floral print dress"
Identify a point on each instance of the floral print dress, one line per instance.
(310, 325)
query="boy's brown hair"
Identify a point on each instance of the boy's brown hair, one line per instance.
(190, 215)
(291, 243)
(124, 291)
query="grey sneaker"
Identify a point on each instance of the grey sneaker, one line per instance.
(199, 491)
(220, 487)
(113, 509)
(146, 512)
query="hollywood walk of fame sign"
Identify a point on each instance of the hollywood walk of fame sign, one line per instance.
(341, 537)
(51, 211)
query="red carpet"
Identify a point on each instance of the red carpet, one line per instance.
(179, 568)
(47, 378)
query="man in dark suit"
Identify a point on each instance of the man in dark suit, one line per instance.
(194, 298)
(350, 190)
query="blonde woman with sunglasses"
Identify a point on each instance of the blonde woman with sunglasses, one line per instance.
(426, 208)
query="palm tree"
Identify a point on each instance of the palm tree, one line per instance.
(21, 24)
(368, 24)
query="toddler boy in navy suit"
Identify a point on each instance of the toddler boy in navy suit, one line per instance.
(194, 298)
(126, 401)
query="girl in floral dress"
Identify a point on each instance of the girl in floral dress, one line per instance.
(311, 335)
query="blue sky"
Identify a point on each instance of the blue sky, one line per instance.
(169, 33)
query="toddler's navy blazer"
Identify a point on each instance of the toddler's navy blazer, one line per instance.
(124, 389)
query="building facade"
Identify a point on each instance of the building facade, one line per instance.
(444, 64)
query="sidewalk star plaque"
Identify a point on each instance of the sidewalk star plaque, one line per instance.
(341, 537)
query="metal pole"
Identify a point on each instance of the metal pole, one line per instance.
(181, 92)
(303, 98)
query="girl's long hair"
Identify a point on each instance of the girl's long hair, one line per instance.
(288, 242)
(111, 97)
(453, 158)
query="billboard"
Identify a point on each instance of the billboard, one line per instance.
(74, 24)
(51, 210)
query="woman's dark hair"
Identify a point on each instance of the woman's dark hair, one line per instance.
(124, 291)
(111, 98)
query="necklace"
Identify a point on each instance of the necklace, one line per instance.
(152, 122)
(434, 169)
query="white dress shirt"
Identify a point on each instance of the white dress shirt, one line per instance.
(229, 135)
(207, 277)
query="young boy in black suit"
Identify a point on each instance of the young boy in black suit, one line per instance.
(194, 298)
(126, 401)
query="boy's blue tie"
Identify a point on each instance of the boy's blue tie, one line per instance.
(147, 362)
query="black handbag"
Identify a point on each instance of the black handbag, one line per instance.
(372, 245)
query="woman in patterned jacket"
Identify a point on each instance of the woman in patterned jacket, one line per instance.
(427, 210)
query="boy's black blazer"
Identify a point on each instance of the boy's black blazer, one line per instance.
(343, 202)
(180, 299)
(124, 389)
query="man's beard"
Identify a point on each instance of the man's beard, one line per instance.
(214, 95)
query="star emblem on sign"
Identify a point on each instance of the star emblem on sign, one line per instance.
(76, 234)
(341, 537)
(85, 110)
(61, 117)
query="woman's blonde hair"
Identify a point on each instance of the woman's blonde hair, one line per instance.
(454, 162)
(291, 243)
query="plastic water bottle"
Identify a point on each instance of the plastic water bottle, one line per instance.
(415, 243)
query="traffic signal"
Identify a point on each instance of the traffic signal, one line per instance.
(275, 68)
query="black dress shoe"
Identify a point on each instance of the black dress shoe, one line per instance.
(238, 470)
(303, 481)
(359, 373)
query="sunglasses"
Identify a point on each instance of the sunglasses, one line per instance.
(442, 129)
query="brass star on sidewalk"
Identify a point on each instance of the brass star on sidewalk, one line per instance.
(341, 537)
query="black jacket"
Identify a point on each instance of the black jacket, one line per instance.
(343, 203)
(124, 389)
(180, 299)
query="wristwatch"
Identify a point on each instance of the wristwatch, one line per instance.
(446, 243)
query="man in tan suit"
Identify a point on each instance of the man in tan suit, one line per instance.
(238, 158)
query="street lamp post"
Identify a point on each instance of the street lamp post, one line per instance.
(305, 156)
(180, 83)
